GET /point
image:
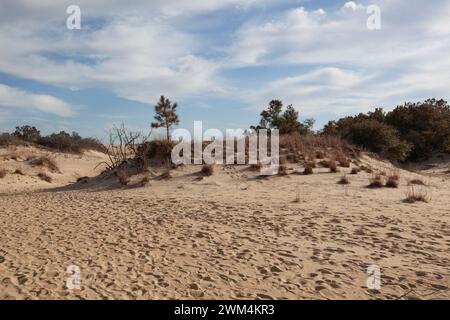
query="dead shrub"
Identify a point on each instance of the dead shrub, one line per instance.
(256, 167)
(207, 170)
(123, 177)
(282, 170)
(355, 170)
(308, 170)
(320, 155)
(311, 164)
(332, 166)
(165, 175)
(18, 171)
(45, 177)
(343, 180)
(3, 173)
(344, 162)
(413, 196)
(392, 181)
(45, 162)
(376, 182)
(417, 182)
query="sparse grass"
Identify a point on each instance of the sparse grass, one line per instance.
(207, 170)
(413, 196)
(18, 171)
(308, 170)
(344, 180)
(376, 182)
(3, 173)
(123, 177)
(44, 177)
(45, 162)
(355, 170)
(392, 182)
(417, 182)
(332, 166)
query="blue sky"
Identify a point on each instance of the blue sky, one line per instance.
(222, 60)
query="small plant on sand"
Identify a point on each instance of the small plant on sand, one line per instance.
(123, 177)
(282, 170)
(320, 155)
(413, 196)
(18, 171)
(344, 180)
(355, 170)
(417, 182)
(207, 170)
(44, 177)
(45, 162)
(3, 173)
(308, 170)
(376, 182)
(344, 162)
(392, 181)
(332, 165)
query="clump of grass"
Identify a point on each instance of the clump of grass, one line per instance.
(324, 163)
(18, 171)
(332, 166)
(165, 175)
(413, 196)
(355, 170)
(45, 162)
(320, 155)
(417, 182)
(344, 162)
(308, 170)
(392, 182)
(344, 180)
(282, 170)
(376, 182)
(366, 169)
(123, 177)
(3, 173)
(145, 181)
(207, 170)
(44, 177)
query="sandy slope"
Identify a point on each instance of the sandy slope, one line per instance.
(231, 235)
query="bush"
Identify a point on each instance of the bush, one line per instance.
(45, 162)
(123, 177)
(355, 170)
(64, 142)
(376, 182)
(413, 196)
(43, 176)
(3, 173)
(282, 170)
(308, 170)
(332, 165)
(207, 170)
(343, 180)
(392, 182)
(18, 171)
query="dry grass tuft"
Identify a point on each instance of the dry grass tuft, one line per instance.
(413, 196)
(343, 180)
(18, 171)
(123, 177)
(392, 182)
(282, 170)
(344, 162)
(166, 175)
(308, 170)
(376, 182)
(332, 165)
(45, 162)
(355, 170)
(207, 170)
(45, 177)
(3, 173)
(417, 182)
(320, 155)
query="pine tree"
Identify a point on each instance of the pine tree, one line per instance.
(166, 115)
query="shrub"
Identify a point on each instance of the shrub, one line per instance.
(45, 162)
(7, 139)
(311, 164)
(256, 167)
(145, 181)
(376, 182)
(43, 176)
(165, 175)
(3, 173)
(355, 170)
(18, 171)
(308, 170)
(343, 180)
(332, 165)
(413, 196)
(123, 177)
(392, 182)
(83, 179)
(207, 170)
(282, 170)
(320, 155)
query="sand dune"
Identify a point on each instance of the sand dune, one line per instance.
(230, 235)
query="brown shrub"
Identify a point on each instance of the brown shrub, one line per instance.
(282, 170)
(413, 196)
(343, 180)
(207, 170)
(45, 162)
(332, 165)
(308, 170)
(416, 182)
(145, 181)
(376, 182)
(311, 164)
(166, 175)
(392, 182)
(256, 167)
(355, 170)
(324, 163)
(3, 173)
(344, 162)
(45, 177)
(320, 155)
(83, 179)
(123, 177)
(18, 171)
(366, 169)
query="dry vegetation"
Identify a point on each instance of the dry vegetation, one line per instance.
(45, 162)
(44, 177)
(376, 182)
(18, 171)
(414, 195)
(3, 173)
(207, 170)
(123, 177)
(343, 180)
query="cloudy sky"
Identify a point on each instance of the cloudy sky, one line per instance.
(221, 60)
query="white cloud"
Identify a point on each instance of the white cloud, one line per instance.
(353, 5)
(15, 98)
